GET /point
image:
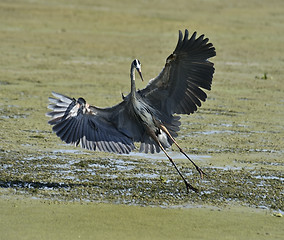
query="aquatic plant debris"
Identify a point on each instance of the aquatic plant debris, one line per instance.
(76, 176)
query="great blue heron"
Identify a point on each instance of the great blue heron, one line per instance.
(146, 115)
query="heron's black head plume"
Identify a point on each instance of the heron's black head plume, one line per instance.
(136, 63)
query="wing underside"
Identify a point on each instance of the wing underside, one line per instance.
(76, 124)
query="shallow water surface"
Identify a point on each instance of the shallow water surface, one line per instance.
(70, 175)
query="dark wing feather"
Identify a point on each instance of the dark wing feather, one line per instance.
(93, 128)
(177, 89)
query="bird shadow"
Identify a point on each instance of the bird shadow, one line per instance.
(40, 185)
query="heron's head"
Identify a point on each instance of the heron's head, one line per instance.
(81, 101)
(82, 105)
(136, 63)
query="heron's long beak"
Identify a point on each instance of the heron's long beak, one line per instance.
(140, 73)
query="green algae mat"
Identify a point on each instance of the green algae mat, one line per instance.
(38, 219)
(51, 190)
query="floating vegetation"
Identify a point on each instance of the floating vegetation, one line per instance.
(136, 180)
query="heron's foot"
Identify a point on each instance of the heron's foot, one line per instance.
(189, 186)
(201, 173)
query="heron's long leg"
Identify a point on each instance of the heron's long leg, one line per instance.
(188, 186)
(197, 168)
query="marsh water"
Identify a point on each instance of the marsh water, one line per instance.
(86, 49)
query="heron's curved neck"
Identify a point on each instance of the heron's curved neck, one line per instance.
(132, 77)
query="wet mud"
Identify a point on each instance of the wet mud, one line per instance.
(77, 176)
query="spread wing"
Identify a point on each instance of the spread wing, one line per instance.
(75, 122)
(177, 89)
